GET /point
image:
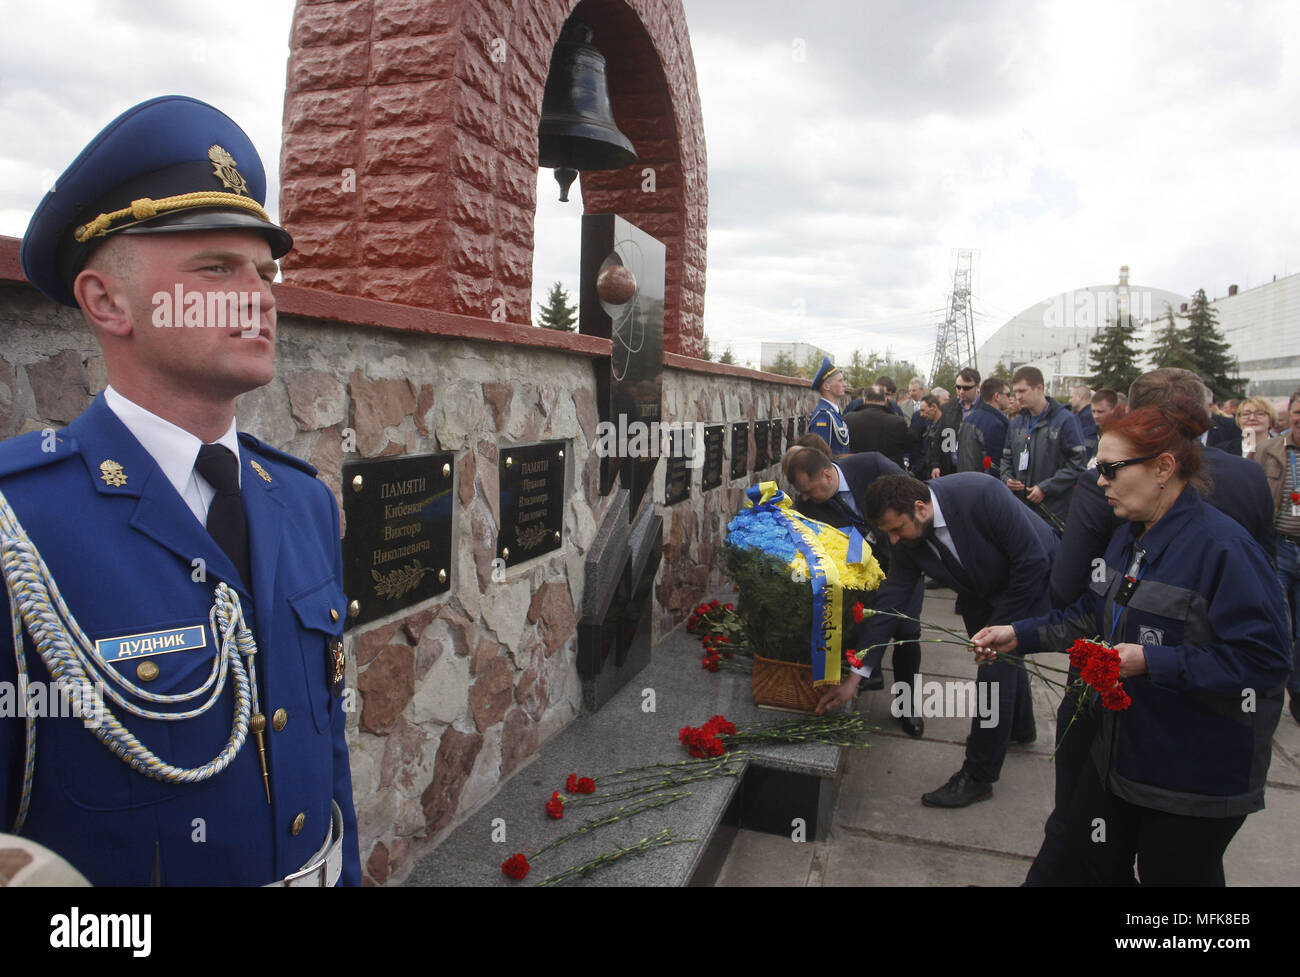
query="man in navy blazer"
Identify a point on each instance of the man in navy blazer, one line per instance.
(968, 532)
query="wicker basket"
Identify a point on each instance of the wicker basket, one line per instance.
(787, 686)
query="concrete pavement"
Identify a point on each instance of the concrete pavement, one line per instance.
(883, 836)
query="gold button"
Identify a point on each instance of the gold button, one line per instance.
(334, 615)
(279, 719)
(146, 671)
(298, 822)
(354, 608)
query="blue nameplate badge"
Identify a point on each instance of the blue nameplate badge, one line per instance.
(152, 643)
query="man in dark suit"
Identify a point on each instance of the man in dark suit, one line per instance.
(876, 428)
(834, 493)
(971, 534)
(1239, 489)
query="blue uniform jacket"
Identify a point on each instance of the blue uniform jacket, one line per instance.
(125, 559)
(1198, 737)
(827, 422)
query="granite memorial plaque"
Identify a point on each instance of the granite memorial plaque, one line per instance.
(761, 429)
(532, 500)
(711, 476)
(739, 449)
(621, 298)
(397, 548)
(774, 441)
(677, 487)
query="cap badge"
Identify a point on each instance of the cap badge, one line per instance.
(112, 473)
(261, 471)
(223, 168)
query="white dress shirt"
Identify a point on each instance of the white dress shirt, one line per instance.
(173, 449)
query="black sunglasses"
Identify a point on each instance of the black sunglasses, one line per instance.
(968, 387)
(1109, 469)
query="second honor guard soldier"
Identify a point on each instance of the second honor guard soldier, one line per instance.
(182, 580)
(826, 421)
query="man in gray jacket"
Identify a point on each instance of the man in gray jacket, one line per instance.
(1044, 453)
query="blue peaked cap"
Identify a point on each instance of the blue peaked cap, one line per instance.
(132, 178)
(827, 370)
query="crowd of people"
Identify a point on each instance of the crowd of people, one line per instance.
(1146, 520)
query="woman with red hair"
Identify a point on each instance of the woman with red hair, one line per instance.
(1193, 609)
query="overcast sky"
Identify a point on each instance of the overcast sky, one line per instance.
(853, 146)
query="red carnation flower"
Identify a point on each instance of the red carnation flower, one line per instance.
(988, 462)
(1295, 496)
(710, 663)
(859, 612)
(516, 866)
(718, 724)
(571, 785)
(722, 639)
(854, 660)
(555, 806)
(729, 607)
(585, 785)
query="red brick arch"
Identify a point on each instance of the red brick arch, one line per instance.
(408, 168)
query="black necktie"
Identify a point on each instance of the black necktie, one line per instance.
(219, 466)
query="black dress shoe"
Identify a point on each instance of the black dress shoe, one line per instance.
(959, 791)
(1026, 739)
(913, 726)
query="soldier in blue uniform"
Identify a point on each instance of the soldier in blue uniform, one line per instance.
(827, 422)
(182, 581)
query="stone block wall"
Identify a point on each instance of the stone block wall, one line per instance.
(456, 693)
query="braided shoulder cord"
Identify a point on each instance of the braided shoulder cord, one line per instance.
(81, 672)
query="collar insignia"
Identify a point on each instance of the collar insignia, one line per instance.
(261, 471)
(223, 168)
(112, 473)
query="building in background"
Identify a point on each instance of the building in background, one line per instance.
(803, 354)
(1263, 326)
(1056, 334)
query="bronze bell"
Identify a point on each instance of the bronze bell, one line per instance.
(577, 130)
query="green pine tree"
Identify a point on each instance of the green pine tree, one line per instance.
(784, 365)
(1212, 353)
(727, 358)
(1002, 372)
(1113, 359)
(557, 313)
(1170, 348)
(945, 376)
(863, 370)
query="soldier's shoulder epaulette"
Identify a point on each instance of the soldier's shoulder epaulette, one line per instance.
(275, 454)
(35, 450)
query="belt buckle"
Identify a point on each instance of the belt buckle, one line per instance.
(327, 862)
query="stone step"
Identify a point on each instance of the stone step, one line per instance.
(637, 727)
